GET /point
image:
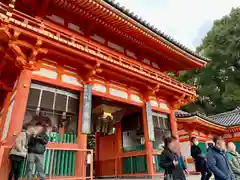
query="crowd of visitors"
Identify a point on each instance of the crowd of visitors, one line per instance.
(221, 160)
(30, 145)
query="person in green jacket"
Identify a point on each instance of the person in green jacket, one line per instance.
(234, 159)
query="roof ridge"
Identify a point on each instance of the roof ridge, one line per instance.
(225, 113)
(154, 29)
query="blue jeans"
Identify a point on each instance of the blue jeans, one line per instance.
(38, 160)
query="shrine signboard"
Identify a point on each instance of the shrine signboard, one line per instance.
(150, 122)
(87, 109)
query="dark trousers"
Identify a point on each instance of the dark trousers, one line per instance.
(15, 170)
(206, 173)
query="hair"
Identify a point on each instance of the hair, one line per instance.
(192, 139)
(168, 140)
(217, 138)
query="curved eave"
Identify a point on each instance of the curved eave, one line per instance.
(122, 22)
(155, 33)
(235, 128)
(201, 122)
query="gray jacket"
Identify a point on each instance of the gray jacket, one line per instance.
(234, 161)
(20, 146)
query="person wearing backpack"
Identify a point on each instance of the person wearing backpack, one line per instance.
(19, 152)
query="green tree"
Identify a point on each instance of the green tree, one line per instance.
(218, 85)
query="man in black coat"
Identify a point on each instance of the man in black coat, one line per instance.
(200, 160)
(36, 148)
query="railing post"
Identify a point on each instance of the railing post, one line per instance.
(91, 165)
(51, 165)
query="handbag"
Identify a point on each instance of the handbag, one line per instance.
(168, 177)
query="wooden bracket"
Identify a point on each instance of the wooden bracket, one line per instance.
(94, 70)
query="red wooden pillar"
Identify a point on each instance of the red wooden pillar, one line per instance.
(20, 103)
(173, 122)
(148, 144)
(4, 112)
(80, 170)
(97, 158)
(119, 149)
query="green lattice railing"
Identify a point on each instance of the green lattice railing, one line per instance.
(63, 163)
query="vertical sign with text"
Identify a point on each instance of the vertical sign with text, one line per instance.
(87, 109)
(150, 122)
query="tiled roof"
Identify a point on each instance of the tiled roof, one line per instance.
(180, 112)
(226, 119)
(155, 30)
(229, 118)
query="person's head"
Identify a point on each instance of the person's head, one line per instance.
(219, 142)
(49, 129)
(30, 129)
(39, 128)
(171, 144)
(231, 147)
(194, 141)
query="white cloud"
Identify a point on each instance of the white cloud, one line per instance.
(180, 19)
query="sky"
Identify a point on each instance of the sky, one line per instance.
(187, 21)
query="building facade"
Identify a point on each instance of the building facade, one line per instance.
(91, 67)
(204, 128)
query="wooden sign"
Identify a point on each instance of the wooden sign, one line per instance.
(87, 109)
(150, 122)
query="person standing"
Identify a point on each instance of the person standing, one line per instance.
(19, 152)
(36, 148)
(170, 162)
(217, 160)
(200, 160)
(234, 159)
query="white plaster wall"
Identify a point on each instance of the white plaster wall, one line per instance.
(185, 149)
(191, 167)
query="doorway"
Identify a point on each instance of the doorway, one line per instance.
(116, 128)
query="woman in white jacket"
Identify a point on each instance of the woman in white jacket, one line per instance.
(19, 152)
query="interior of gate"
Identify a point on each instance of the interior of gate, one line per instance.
(118, 138)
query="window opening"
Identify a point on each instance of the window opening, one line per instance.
(59, 105)
(162, 129)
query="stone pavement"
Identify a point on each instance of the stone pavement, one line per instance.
(194, 177)
(191, 177)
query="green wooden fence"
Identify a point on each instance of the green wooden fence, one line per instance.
(156, 163)
(134, 164)
(139, 147)
(63, 161)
